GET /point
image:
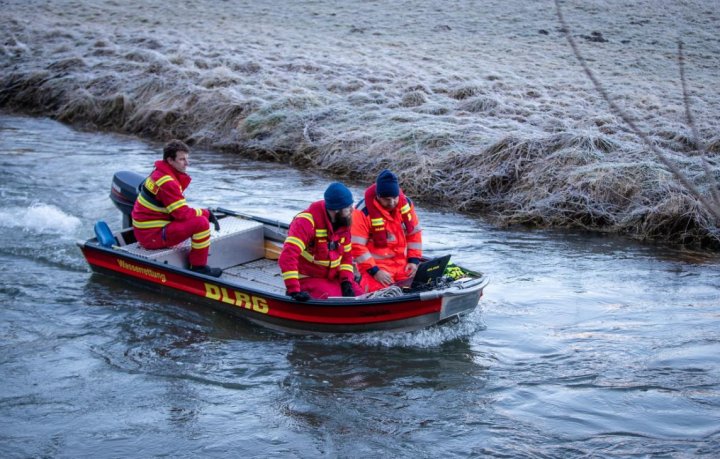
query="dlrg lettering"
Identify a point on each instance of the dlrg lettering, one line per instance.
(236, 298)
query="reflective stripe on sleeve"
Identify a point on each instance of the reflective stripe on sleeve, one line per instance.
(415, 230)
(176, 205)
(307, 216)
(346, 267)
(364, 257)
(295, 241)
(382, 257)
(163, 180)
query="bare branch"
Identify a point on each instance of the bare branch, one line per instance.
(619, 112)
(697, 140)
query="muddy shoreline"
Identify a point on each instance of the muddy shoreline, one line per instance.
(480, 107)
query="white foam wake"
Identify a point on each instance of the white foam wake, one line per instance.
(38, 218)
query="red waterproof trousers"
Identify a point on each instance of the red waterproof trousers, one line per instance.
(176, 232)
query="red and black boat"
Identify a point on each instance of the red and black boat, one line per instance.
(251, 287)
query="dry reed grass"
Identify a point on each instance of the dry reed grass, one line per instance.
(482, 115)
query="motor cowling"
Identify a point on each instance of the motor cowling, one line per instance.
(123, 193)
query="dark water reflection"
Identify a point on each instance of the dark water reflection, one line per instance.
(584, 345)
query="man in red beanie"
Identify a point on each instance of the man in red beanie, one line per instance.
(316, 261)
(162, 218)
(386, 235)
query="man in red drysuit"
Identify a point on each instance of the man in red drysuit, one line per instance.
(162, 218)
(316, 260)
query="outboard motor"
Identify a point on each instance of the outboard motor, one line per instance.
(123, 193)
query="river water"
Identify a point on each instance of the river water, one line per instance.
(583, 346)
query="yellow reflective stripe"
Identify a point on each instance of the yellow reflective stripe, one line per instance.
(200, 245)
(290, 275)
(331, 264)
(295, 241)
(415, 245)
(346, 268)
(348, 247)
(308, 256)
(359, 240)
(306, 215)
(201, 235)
(377, 221)
(150, 224)
(321, 233)
(163, 180)
(176, 205)
(148, 205)
(198, 212)
(405, 209)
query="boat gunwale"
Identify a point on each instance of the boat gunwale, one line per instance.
(333, 303)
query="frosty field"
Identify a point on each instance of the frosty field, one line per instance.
(479, 106)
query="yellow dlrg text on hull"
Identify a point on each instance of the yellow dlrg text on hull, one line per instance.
(236, 298)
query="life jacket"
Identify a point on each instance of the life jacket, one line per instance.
(151, 212)
(326, 255)
(319, 250)
(377, 222)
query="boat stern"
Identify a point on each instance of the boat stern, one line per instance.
(462, 297)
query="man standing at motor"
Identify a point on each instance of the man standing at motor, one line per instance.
(316, 261)
(386, 235)
(161, 216)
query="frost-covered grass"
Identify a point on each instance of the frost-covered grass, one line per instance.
(479, 106)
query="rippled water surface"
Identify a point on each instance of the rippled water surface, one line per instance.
(583, 346)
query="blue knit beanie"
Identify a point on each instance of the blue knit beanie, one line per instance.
(337, 196)
(387, 185)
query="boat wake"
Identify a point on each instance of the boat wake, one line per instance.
(39, 218)
(455, 329)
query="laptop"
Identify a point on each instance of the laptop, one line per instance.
(427, 274)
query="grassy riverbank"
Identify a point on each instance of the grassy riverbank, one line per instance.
(479, 106)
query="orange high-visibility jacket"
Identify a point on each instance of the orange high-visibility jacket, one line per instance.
(402, 247)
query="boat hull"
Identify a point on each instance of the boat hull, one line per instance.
(279, 312)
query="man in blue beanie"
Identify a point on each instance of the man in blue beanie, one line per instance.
(386, 235)
(316, 259)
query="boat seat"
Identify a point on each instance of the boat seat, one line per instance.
(238, 241)
(265, 272)
(104, 234)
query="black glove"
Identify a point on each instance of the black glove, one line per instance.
(213, 219)
(300, 296)
(347, 288)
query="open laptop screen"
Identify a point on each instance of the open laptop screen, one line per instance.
(430, 271)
